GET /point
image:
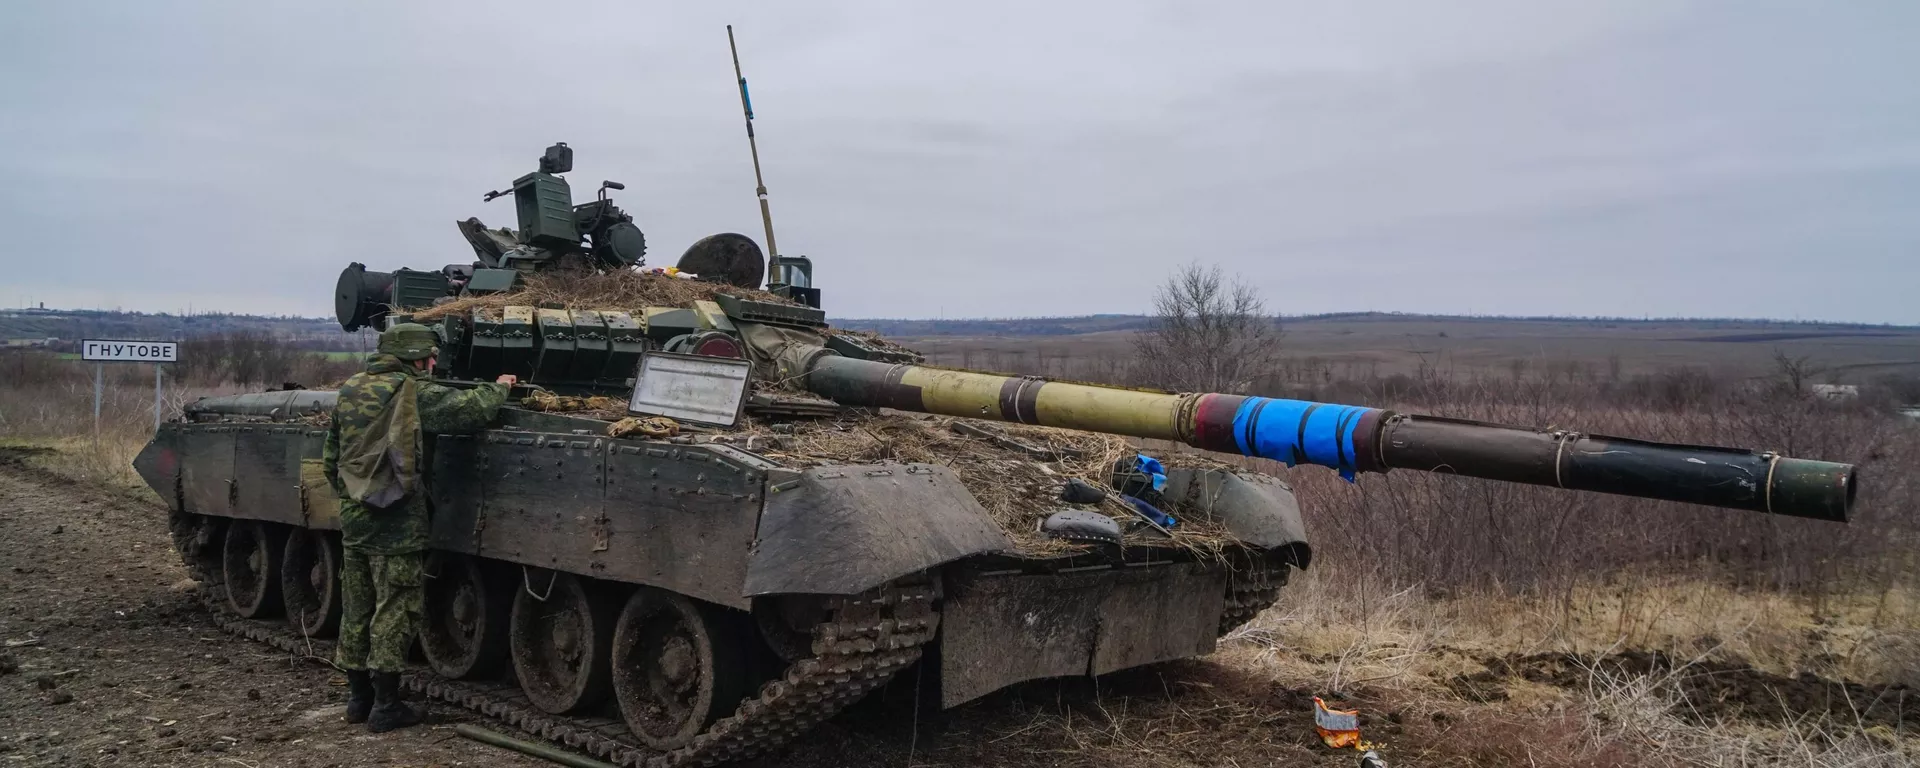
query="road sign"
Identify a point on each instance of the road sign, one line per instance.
(98, 351)
(116, 351)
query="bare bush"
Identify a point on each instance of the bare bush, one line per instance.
(1208, 335)
(246, 358)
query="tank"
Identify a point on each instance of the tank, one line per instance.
(702, 527)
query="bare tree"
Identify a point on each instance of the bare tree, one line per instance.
(243, 357)
(1208, 335)
(1792, 375)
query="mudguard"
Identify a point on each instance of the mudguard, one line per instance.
(997, 630)
(159, 465)
(841, 530)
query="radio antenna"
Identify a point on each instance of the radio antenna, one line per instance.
(760, 183)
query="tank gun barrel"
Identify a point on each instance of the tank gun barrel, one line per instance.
(285, 404)
(1354, 439)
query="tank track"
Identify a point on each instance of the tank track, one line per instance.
(1251, 591)
(865, 641)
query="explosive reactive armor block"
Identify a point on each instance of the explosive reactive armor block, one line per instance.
(626, 341)
(516, 341)
(553, 342)
(665, 323)
(590, 345)
(484, 354)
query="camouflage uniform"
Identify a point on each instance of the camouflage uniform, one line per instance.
(380, 580)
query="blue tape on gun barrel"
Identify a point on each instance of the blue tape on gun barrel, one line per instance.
(1299, 432)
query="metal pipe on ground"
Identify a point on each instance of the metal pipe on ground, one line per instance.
(529, 748)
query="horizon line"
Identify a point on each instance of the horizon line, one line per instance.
(1283, 317)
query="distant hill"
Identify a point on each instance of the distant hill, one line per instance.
(66, 325)
(1025, 326)
(1382, 342)
(1069, 326)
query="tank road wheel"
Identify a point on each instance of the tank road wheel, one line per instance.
(464, 630)
(198, 538)
(310, 582)
(677, 667)
(559, 637)
(250, 566)
(786, 623)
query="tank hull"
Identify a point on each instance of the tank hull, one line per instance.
(740, 532)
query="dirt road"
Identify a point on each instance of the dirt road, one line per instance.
(117, 662)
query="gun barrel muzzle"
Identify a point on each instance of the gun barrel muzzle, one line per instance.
(1759, 481)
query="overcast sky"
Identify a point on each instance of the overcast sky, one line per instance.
(992, 159)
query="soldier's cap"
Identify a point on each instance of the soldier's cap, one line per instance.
(409, 341)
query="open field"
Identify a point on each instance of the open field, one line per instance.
(1471, 623)
(1359, 346)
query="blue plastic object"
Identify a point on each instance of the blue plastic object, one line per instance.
(1151, 467)
(1151, 512)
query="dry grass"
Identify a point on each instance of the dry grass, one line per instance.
(1015, 471)
(1486, 679)
(1651, 710)
(47, 421)
(595, 406)
(1344, 632)
(106, 465)
(625, 290)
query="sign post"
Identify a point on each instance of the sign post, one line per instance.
(103, 351)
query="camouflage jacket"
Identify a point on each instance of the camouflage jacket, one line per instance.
(402, 527)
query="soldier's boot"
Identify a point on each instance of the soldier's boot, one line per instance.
(359, 695)
(389, 712)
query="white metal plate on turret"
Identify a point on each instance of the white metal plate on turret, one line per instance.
(701, 389)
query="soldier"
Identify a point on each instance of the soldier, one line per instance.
(373, 459)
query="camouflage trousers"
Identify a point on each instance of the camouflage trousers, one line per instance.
(379, 610)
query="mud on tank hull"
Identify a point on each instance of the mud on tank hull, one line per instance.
(689, 588)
